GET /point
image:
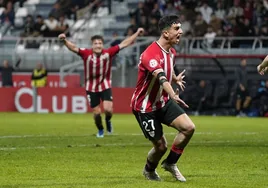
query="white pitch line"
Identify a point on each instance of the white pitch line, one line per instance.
(123, 134)
(121, 144)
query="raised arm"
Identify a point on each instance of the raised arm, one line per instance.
(71, 46)
(129, 40)
(263, 67)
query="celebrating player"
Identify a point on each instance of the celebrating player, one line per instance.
(97, 70)
(154, 101)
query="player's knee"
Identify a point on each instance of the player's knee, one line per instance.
(96, 110)
(190, 128)
(162, 147)
(108, 111)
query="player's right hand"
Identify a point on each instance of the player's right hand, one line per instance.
(262, 70)
(178, 100)
(62, 36)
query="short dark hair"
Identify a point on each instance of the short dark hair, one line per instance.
(97, 37)
(167, 21)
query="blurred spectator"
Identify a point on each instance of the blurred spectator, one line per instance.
(170, 9)
(6, 73)
(235, 10)
(76, 5)
(156, 12)
(215, 23)
(144, 24)
(65, 6)
(200, 26)
(133, 26)
(153, 29)
(115, 39)
(149, 4)
(2, 3)
(209, 37)
(185, 25)
(62, 26)
(264, 33)
(248, 11)
(189, 14)
(242, 94)
(39, 26)
(51, 24)
(140, 11)
(39, 76)
(247, 30)
(205, 10)
(220, 12)
(28, 26)
(8, 16)
(56, 11)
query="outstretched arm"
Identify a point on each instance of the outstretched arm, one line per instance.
(263, 67)
(128, 41)
(71, 46)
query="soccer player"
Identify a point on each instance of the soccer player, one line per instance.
(154, 101)
(243, 97)
(263, 67)
(97, 70)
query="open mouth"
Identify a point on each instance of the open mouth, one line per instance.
(178, 38)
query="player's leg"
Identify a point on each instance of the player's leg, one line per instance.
(153, 130)
(178, 119)
(238, 103)
(94, 100)
(107, 99)
(246, 102)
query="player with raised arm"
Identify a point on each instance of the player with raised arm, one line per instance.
(263, 67)
(154, 101)
(97, 70)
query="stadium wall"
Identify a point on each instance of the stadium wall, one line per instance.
(58, 100)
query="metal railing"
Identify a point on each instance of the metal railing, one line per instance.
(52, 52)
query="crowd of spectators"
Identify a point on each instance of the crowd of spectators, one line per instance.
(206, 18)
(49, 25)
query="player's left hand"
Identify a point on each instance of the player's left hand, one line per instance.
(140, 31)
(261, 70)
(178, 100)
(180, 81)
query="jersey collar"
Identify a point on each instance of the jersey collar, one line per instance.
(161, 47)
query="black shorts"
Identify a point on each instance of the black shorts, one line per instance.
(241, 94)
(151, 123)
(94, 98)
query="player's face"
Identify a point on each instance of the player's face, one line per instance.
(97, 46)
(174, 33)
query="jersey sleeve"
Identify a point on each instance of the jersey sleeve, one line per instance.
(84, 53)
(150, 63)
(113, 50)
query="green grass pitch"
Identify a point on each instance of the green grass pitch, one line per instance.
(61, 151)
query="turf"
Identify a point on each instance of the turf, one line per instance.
(61, 150)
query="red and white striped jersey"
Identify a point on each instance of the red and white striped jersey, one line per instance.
(97, 69)
(149, 95)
